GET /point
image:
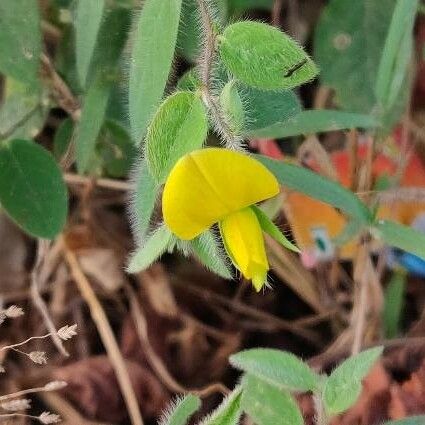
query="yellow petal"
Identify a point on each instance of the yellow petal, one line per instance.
(244, 242)
(208, 184)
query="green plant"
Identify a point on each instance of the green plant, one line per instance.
(110, 74)
(269, 381)
(240, 83)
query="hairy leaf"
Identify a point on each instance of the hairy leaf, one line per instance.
(229, 411)
(181, 410)
(156, 245)
(279, 368)
(179, 127)
(143, 202)
(152, 55)
(232, 107)
(261, 56)
(268, 108)
(267, 405)
(205, 247)
(343, 386)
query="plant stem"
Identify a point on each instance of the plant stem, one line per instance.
(321, 416)
(23, 392)
(8, 347)
(206, 64)
(209, 50)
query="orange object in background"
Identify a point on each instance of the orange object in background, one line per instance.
(315, 224)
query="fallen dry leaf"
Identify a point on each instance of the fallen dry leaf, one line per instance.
(93, 388)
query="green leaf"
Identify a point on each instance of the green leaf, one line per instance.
(206, 248)
(349, 52)
(22, 114)
(20, 40)
(189, 40)
(111, 38)
(279, 368)
(156, 245)
(397, 53)
(349, 40)
(229, 411)
(152, 55)
(92, 116)
(232, 107)
(400, 236)
(32, 190)
(87, 24)
(179, 127)
(414, 420)
(315, 121)
(393, 305)
(318, 187)
(181, 410)
(261, 56)
(239, 7)
(267, 405)
(343, 386)
(267, 108)
(271, 229)
(62, 138)
(117, 150)
(143, 202)
(189, 81)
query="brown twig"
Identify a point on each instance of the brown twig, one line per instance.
(60, 90)
(118, 185)
(105, 331)
(42, 250)
(155, 361)
(251, 312)
(330, 357)
(68, 413)
(276, 12)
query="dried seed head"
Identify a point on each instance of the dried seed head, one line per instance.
(55, 385)
(67, 332)
(49, 418)
(13, 311)
(38, 357)
(16, 405)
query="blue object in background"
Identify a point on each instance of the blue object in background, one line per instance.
(413, 264)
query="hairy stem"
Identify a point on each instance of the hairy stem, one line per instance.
(206, 64)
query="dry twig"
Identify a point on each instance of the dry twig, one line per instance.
(100, 319)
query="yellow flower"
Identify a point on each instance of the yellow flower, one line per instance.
(216, 185)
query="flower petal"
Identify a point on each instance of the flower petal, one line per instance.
(244, 242)
(208, 184)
